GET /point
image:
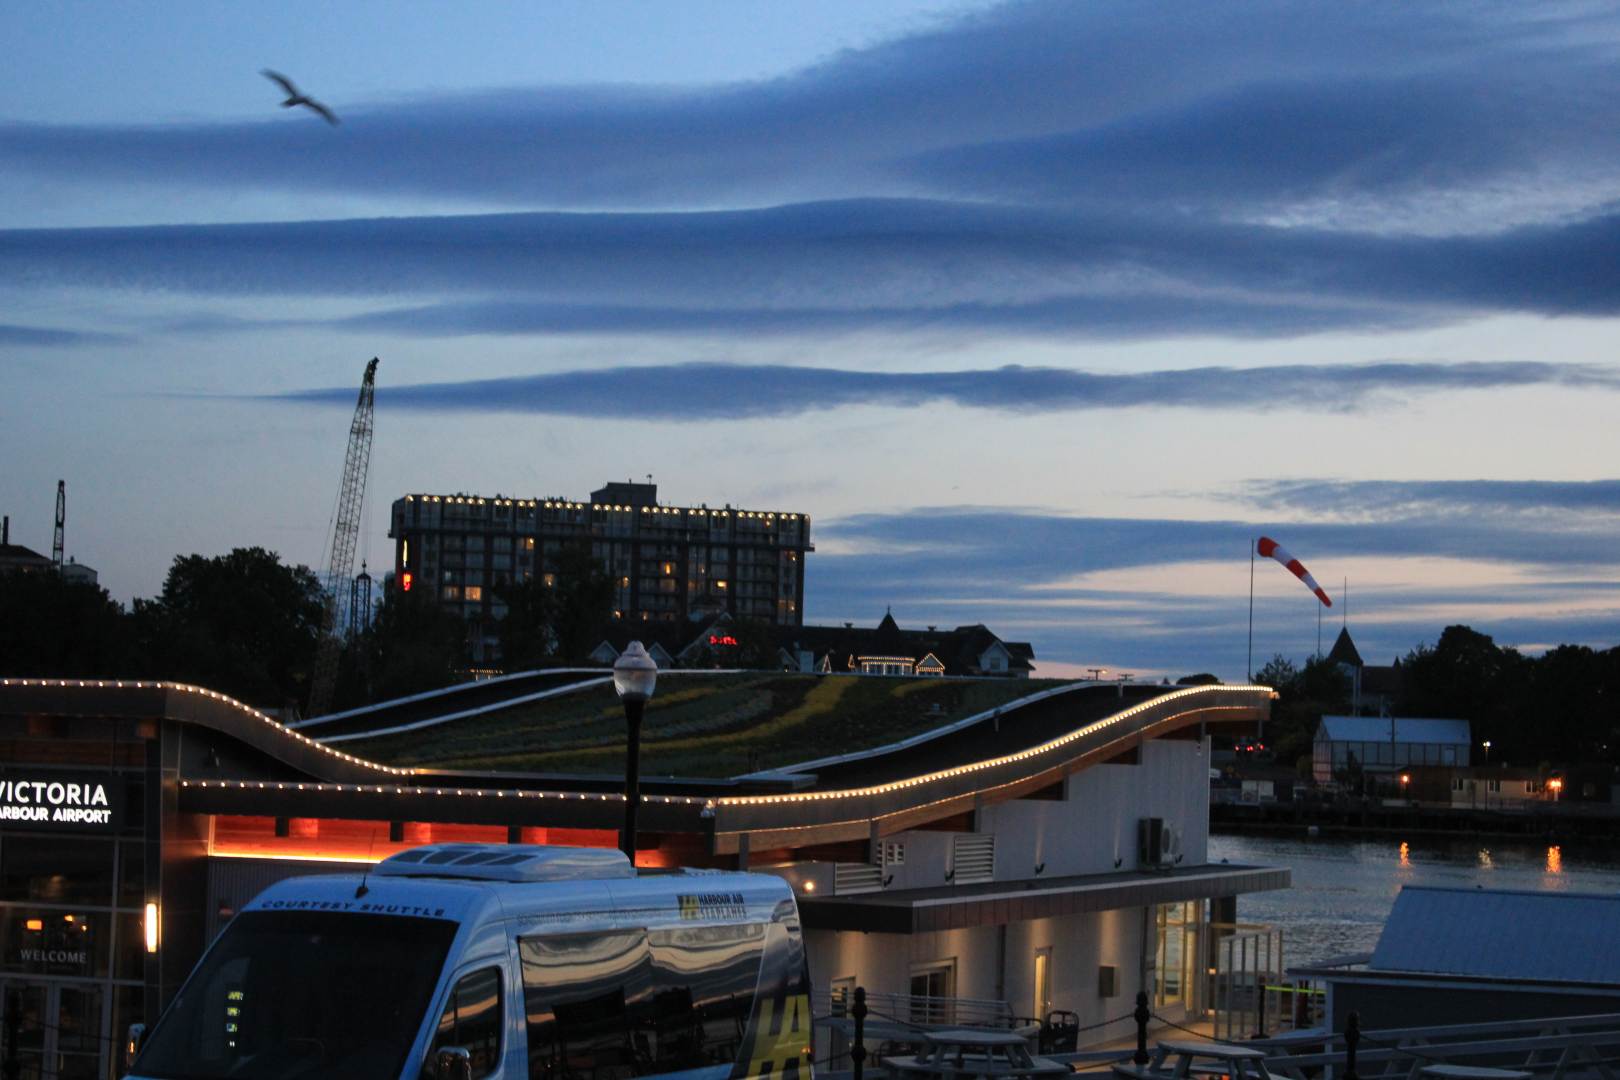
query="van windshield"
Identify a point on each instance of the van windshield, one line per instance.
(302, 995)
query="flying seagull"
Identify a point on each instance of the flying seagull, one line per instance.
(296, 97)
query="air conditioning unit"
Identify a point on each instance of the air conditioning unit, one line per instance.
(1158, 843)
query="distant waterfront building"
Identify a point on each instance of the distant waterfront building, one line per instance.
(1382, 745)
(842, 650)
(889, 650)
(1373, 689)
(669, 564)
(16, 558)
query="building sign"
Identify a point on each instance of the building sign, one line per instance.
(51, 942)
(61, 801)
(73, 960)
(727, 905)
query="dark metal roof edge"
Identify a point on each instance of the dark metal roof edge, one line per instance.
(1463, 979)
(893, 913)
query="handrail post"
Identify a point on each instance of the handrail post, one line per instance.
(1352, 1036)
(1141, 1015)
(1260, 1014)
(857, 1054)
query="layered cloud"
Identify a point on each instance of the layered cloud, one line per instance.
(1081, 585)
(891, 265)
(1384, 499)
(708, 392)
(14, 334)
(1256, 108)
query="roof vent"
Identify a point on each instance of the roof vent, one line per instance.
(508, 862)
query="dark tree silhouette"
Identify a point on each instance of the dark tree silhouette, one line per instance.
(53, 627)
(243, 623)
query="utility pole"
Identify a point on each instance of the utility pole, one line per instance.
(345, 532)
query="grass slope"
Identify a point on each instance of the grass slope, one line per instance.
(715, 726)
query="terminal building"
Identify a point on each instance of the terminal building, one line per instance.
(668, 563)
(1047, 852)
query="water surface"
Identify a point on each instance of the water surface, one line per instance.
(1343, 888)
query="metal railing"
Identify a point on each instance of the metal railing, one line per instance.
(918, 1010)
(1557, 1048)
(1585, 1047)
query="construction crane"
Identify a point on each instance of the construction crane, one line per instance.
(57, 544)
(345, 532)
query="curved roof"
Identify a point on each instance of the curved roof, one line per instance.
(1021, 748)
(147, 699)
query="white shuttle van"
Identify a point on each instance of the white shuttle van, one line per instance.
(497, 962)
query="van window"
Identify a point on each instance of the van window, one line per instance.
(314, 994)
(472, 1021)
(629, 1003)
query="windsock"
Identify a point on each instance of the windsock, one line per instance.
(1273, 550)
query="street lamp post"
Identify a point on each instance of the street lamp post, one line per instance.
(1487, 747)
(634, 676)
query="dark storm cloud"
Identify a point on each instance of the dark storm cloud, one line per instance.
(706, 392)
(880, 264)
(1272, 100)
(1410, 498)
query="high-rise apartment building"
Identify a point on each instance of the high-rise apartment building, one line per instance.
(668, 563)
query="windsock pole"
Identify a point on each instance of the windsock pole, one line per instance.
(1251, 610)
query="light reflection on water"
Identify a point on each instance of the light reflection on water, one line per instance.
(1343, 888)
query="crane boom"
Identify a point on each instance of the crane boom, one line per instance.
(345, 532)
(61, 524)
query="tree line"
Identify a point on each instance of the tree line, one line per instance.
(1560, 707)
(248, 625)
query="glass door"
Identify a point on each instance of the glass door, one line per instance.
(51, 1031)
(22, 1030)
(76, 1015)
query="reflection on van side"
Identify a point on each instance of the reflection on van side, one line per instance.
(519, 961)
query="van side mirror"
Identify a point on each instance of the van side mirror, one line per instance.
(453, 1063)
(132, 1044)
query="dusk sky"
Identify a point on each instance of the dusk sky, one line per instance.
(1042, 311)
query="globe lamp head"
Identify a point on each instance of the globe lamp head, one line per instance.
(634, 673)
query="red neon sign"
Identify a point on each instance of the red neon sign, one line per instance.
(405, 581)
(722, 639)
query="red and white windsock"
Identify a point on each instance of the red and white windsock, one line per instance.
(1273, 550)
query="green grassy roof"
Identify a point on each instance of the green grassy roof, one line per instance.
(701, 725)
